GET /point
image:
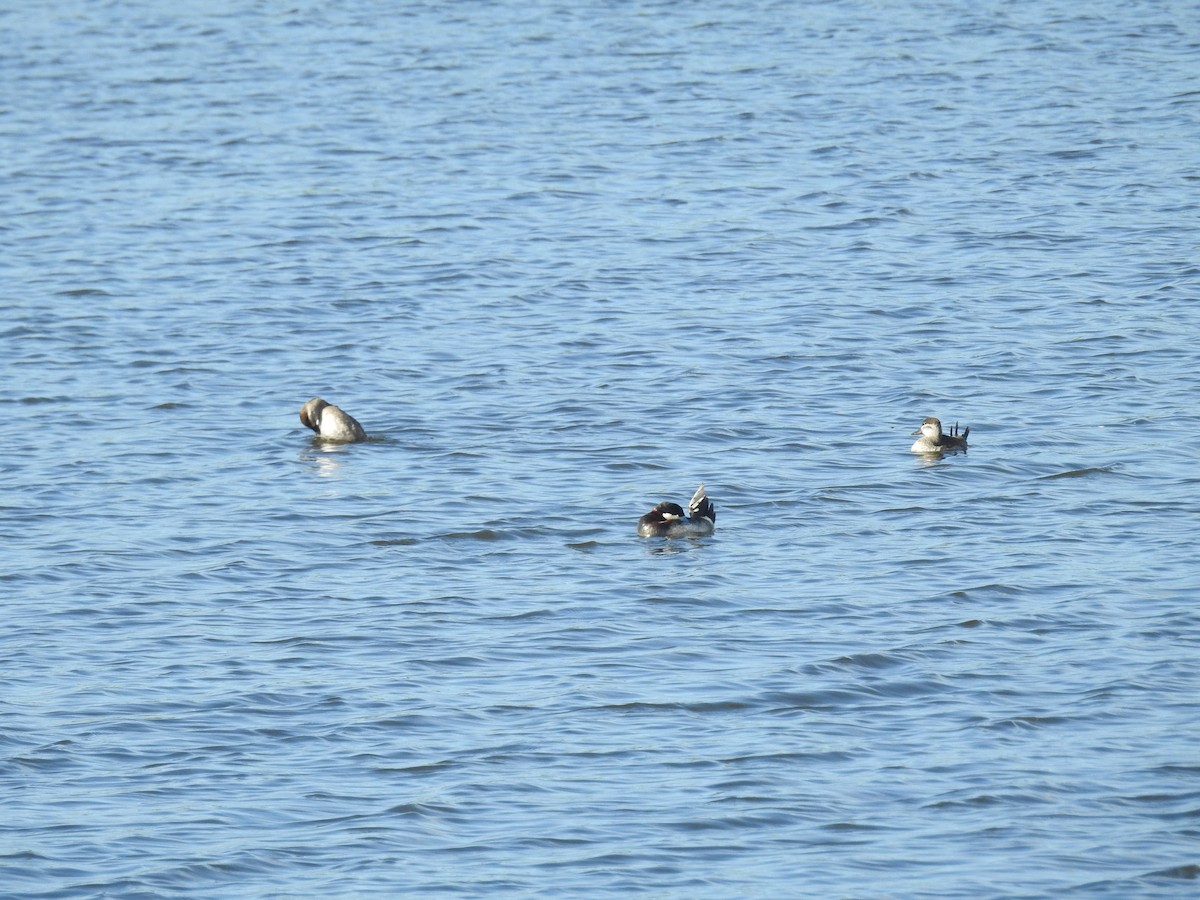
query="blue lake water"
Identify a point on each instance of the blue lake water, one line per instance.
(563, 261)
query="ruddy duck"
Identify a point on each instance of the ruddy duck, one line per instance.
(330, 422)
(932, 440)
(667, 519)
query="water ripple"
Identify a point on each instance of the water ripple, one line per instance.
(565, 262)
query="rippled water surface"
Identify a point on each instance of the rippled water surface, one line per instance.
(563, 261)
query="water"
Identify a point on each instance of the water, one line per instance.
(564, 261)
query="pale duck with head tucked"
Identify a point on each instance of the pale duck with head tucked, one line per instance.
(933, 440)
(331, 423)
(668, 520)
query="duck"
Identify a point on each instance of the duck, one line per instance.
(667, 519)
(331, 423)
(933, 440)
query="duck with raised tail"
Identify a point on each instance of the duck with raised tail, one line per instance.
(933, 440)
(668, 520)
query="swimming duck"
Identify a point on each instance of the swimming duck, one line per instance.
(932, 440)
(331, 423)
(667, 519)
